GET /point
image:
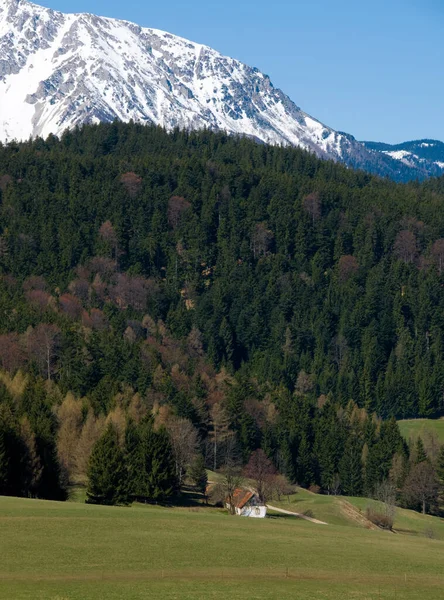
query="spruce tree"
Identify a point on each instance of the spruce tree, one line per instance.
(151, 463)
(420, 453)
(350, 467)
(107, 474)
(198, 474)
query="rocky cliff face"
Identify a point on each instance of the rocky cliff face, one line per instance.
(58, 71)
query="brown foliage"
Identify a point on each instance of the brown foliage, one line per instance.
(177, 206)
(108, 234)
(80, 288)
(279, 486)
(5, 180)
(347, 266)
(38, 299)
(312, 205)
(421, 486)
(70, 306)
(12, 354)
(438, 255)
(105, 267)
(131, 182)
(95, 319)
(35, 282)
(405, 247)
(133, 291)
(260, 469)
(379, 518)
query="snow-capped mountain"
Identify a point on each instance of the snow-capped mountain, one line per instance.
(61, 70)
(427, 155)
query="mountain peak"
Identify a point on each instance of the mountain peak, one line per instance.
(61, 70)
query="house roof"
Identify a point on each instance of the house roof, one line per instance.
(241, 497)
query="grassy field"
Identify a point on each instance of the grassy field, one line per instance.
(73, 551)
(412, 428)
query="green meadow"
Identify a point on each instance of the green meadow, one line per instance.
(414, 428)
(73, 551)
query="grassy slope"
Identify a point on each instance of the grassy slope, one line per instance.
(412, 428)
(73, 551)
(334, 510)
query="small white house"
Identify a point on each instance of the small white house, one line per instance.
(247, 504)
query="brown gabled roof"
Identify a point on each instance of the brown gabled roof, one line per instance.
(241, 497)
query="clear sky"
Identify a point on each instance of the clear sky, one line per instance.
(372, 68)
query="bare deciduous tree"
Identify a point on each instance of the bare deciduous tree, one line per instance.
(438, 254)
(43, 347)
(70, 306)
(421, 486)
(347, 266)
(260, 469)
(231, 481)
(184, 441)
(312, 205)
(131, 182)
(177, 206)
(405, 246)
(280, 486)
(220, 432)
(108, 234)
(80, 289)
(261, 239)
(12, 355)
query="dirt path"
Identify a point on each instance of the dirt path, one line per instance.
(354, 514)
(294, 514)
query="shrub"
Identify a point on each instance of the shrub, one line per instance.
(380, 518)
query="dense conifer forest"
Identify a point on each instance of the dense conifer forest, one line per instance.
(254, 296)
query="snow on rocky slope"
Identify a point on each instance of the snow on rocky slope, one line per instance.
(61, 70)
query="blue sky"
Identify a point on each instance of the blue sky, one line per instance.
(370, 68)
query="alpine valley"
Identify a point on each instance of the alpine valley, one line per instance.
(58, 71)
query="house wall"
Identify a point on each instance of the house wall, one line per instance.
(258, 512)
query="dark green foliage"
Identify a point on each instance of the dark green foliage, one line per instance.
(151, 468)
(315, 288)
(107, 474)
(420, 453)
(198, 474)
(291, 263)
(29, 464)
(350, 467)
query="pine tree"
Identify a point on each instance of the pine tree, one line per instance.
(107, 474)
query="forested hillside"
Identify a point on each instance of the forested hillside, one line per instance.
(245, 288)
